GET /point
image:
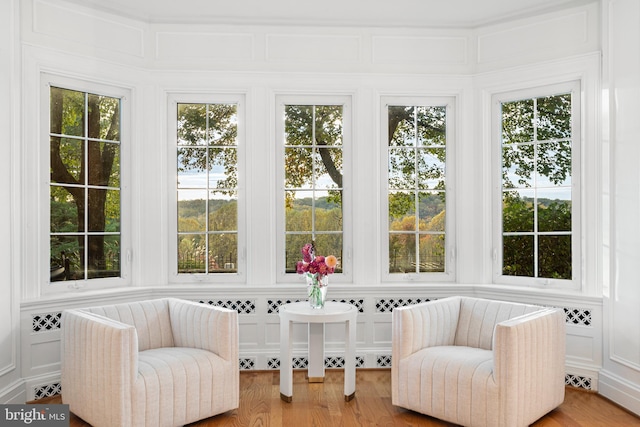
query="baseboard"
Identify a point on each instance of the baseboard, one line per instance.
(14, 393)
(620, 391)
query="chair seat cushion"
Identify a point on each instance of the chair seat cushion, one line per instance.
(453, 383)
(179, 385)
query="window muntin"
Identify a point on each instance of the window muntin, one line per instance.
(313, 171)
(207, 188)
(539, 194)
(85, 238)
(418, 151)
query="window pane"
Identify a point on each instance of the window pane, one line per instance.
(223, 215)
(192, 211)
(402, 168)
(432, 211)
(518, 166)
(67, 256)
(104, 117)
(107, 218)
(517, 256)
(192, 167)
(328, 125)
(64, 210)
(104, 164)
(298, 168)
(70, 153)
(328, 168)
(223, 124)
(223, 253)
(554, 117)
(554, 211)
(402, 129)
(104, 253)
(517, 211)
(554, 257)
(299, 125)
(554, 164)
(67, 112)
(517, 121)
(402, 253)
(431, 125)
(432, 253)
(223, 173)
(192, 124)
(328, 212)
(298, 216)
(402, 211)
(192, 256)
(431, 168)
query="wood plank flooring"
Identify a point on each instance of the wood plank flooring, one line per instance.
(322, 404)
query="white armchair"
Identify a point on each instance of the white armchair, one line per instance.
(478, 362)
(165, 362)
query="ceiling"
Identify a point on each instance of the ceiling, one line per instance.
(385, 13)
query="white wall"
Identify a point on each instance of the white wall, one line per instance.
(620, 378)
(259, 62)
(11, 388)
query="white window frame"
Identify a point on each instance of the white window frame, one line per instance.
(46, 81)
(450, 227)
(347, 199)
(573, 87)
(173, 99)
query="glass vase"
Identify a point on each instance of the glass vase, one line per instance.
(317, 289)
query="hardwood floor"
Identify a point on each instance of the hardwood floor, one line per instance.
(322, 404)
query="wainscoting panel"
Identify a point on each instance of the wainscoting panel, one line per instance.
(260, 334)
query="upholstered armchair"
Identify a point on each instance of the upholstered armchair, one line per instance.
(478, 362)
(164, 362)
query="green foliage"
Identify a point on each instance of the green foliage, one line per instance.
(536, 138)
(85, 151)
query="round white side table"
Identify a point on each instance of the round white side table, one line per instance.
(301, 312)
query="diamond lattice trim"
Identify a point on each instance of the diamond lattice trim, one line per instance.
(46, 322)
(578, 316)
(47, 390)
(247, 364)
(577, 381)
(387, 305)
(242, 307)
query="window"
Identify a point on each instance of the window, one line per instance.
(313, 140)
(85, 190)
(207, 204)
(539, 193)
(419, 230)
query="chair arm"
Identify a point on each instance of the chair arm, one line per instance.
(204, 326)
(529, 361)
(98, 366)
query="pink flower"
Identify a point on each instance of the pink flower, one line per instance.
(307, 252)
(315, 264)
